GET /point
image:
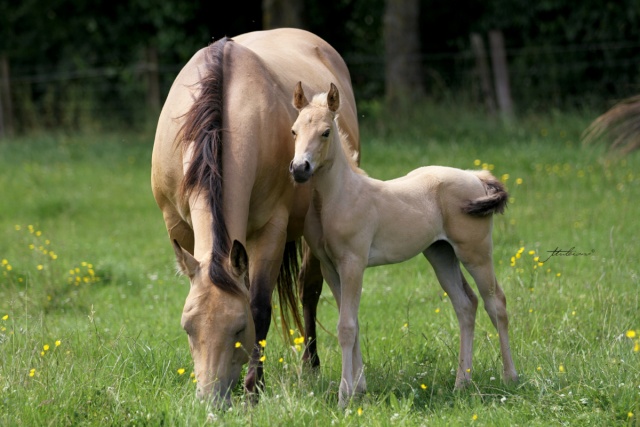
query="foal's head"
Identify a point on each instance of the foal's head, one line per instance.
(314, 131)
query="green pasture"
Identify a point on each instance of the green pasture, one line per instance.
(90, 303)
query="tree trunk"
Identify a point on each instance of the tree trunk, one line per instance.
(501, 74)
(6, 108)
(281, 13)
(153, 79)
(403, 74)
(483, 73)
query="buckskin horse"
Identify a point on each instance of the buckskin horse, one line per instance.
(220, 177)
(356, 221)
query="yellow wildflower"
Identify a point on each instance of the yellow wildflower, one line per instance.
(45, 347)
(32, 372)
(422, 386)
(5, 317)
(561, 369)
(360, 411)
(58, 342)
(263, 343)
(519, 181)
(631, 333)
(299, 340)
(263, 358)
(474, 417)
(180, 371)
(238, 344)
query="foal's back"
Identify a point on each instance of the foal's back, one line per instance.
(416, 210)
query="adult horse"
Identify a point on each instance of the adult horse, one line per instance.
(220, 176)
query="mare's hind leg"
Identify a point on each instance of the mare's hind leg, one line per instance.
(310, 287)
(465, 303)
(479, 263)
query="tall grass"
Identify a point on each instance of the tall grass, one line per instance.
(90, 303)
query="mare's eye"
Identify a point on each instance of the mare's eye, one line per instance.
(326, 133)
(293, 132)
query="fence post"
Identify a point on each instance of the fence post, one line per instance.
(482, 70)
(6, 109)
(501, 74)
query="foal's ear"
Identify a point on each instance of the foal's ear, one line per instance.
(238, 259)
(187, 264)
(333, 98)
(299, 100)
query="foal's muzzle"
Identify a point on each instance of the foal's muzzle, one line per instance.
(301, 172)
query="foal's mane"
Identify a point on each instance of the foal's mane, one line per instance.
(319, 100)
(203, 128)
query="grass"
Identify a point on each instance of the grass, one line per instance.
(77, 209)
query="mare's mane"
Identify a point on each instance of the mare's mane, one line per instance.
(319, 100)
(203, 129)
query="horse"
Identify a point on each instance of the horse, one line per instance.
(356, 221)
(219, 174)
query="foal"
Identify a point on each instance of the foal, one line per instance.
(355, 221)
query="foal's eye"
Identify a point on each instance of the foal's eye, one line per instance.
(326, 133)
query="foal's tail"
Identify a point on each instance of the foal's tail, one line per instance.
(494, 202)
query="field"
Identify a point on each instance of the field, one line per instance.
(90, 303)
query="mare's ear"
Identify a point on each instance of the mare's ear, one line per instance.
(187, 264)
(333, 98)
(238, 259)
(299, 100)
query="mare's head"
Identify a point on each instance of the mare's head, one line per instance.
(218, 323)
(314, 131)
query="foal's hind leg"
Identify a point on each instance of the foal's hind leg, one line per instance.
(479, 263)
(310, 287)
(465, 303)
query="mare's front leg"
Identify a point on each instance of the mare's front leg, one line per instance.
(350, 271)
(310, 287)
(265, 258)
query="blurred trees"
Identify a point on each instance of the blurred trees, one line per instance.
(77, 60)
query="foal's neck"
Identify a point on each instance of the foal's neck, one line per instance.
(337, 176)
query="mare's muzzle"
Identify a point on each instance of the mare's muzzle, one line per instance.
(300, 171)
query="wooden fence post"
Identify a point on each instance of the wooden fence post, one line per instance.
(501, 74)
(482, 70)
(6, 108)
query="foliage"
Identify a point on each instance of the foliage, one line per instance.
(78, 64)
(111, 352)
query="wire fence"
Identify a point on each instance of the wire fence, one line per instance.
(541, 77)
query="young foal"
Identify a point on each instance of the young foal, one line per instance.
(355, 221)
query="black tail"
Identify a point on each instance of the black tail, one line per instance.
(287, 295)
(494, 202)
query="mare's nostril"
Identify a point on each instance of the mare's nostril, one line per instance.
(307, 166)
(291, 167)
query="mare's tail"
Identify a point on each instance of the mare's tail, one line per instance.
(494, 202)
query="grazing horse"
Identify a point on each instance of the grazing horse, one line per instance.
(220, 177)
(355, 221)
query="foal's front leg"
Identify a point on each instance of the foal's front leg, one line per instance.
(348, 331)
